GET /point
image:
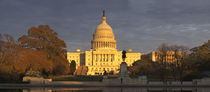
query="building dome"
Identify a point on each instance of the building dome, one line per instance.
(103, 38)
(103, 31)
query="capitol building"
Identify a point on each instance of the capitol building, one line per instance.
(103, 55)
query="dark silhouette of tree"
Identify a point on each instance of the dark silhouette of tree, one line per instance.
(200, 57)
(171, 59)
(142, 67)
(181, 53)
(72, 67)
(162, 61)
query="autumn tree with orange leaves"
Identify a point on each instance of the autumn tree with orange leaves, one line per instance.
(15, 60)
(45, 40)
(40, 50)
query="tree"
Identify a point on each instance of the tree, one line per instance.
(162, 60)
(8, 56)
(142, 67)
(15, 60)
(44, 39)
(72, 67)
(171, 59)
(200, 57)
(181, 53)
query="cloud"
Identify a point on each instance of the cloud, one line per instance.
(140, 25)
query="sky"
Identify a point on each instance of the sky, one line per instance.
(140, 25)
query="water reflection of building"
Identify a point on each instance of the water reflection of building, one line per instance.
(120, 89)
(37, 90)
(103, 55)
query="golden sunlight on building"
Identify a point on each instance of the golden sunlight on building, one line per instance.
(170, 56)
(103, 55)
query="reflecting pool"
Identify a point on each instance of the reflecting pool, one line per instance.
(112, 89)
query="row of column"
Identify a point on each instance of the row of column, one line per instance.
(104, 44)
(103, 57)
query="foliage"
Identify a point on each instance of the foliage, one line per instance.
(172, 61)
(16, 60)
(72, 67)
(41, 50)
(44, 39)
(8, 56)
(163, 69)
(142, 67)
(192, 75)
(200, 57)
(32, 73)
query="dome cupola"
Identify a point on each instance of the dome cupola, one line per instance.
(103, 38)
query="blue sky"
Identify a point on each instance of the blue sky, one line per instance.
(141, 25)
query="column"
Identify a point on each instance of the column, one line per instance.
(104, 57)
(104, 44)
(100, 58)
(96, 57)
(97, 44)
(113, 57)
(109, 57)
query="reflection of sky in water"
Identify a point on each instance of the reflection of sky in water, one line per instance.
(133, 89)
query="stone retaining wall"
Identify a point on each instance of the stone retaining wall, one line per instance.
(36, 80)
